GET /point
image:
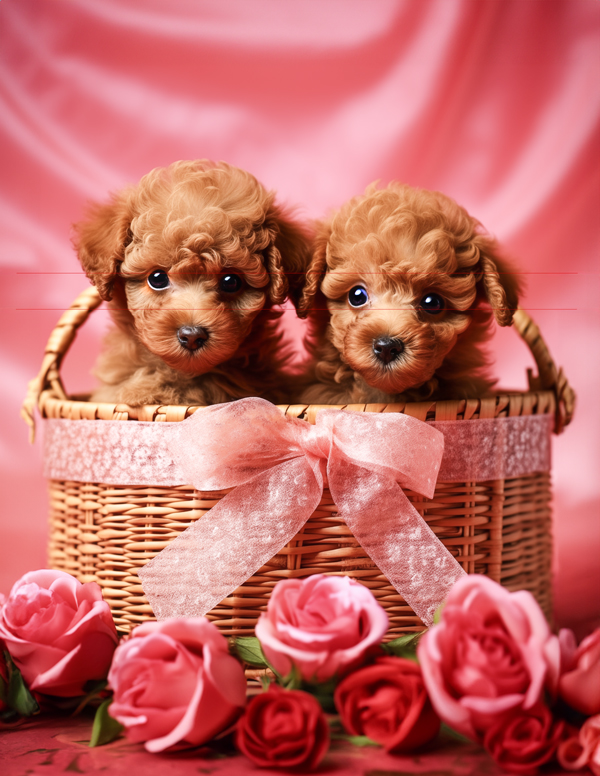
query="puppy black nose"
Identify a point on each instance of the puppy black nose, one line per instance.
(192, 337)
(387, 349)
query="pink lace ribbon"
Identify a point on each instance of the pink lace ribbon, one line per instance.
(276, 466)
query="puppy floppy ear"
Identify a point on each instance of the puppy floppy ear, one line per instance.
(314, 271)
(499, 281)
(100, 241)
(286, 257)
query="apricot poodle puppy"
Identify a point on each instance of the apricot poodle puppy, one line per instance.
(192, 261)
(408, 283)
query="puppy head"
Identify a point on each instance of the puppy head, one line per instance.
(405, 273)
(195, 251)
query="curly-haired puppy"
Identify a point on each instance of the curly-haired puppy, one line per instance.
(410, 281)
(192, 259)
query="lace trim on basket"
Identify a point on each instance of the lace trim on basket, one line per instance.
(136, 453)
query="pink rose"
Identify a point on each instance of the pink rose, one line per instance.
(579, 684)
(174, 681)
(582, 749)
(524, 740)
(321, 625)
(387, 702)
(283, 729)
(491, 653)
(59, 632)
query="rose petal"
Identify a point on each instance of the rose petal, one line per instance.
(89, 661)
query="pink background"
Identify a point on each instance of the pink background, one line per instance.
(495, 102)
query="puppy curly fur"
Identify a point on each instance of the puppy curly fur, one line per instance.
(401, 244)
(197, 221)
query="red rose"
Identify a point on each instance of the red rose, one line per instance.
(387, 702)
(524, 740)
(283, 729)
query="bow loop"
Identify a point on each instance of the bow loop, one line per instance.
(226, 445)
(397, 446)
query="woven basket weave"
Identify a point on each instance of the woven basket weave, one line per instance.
(105, 533)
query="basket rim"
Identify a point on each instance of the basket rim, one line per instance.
(503, 404)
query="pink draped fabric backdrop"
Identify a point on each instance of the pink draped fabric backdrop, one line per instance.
(494, 102)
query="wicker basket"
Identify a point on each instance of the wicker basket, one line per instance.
(105, 533)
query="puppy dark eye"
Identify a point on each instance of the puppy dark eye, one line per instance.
(230, 283)
(432, 304)
(358, 297)
(159, 280)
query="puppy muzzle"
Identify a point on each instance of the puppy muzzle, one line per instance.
(387, 349)
(192, 337)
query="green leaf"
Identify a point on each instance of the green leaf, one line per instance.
(105, 728)
(356, 740)
(403, 642)
(94, 693)
(451, 733)
(9, 716)
(403, 646)
(293, 681)
(265, 682)
(18, 696)
(248, 649)
(322, 688)
(323, 692)
(325, 701)
(437, 615)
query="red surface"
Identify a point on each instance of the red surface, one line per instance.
(52, 747)
(494, 103)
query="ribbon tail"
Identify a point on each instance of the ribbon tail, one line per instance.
(221, 550)
(395, 536)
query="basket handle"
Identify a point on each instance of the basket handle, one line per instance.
(58, 345)
(550, 378)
